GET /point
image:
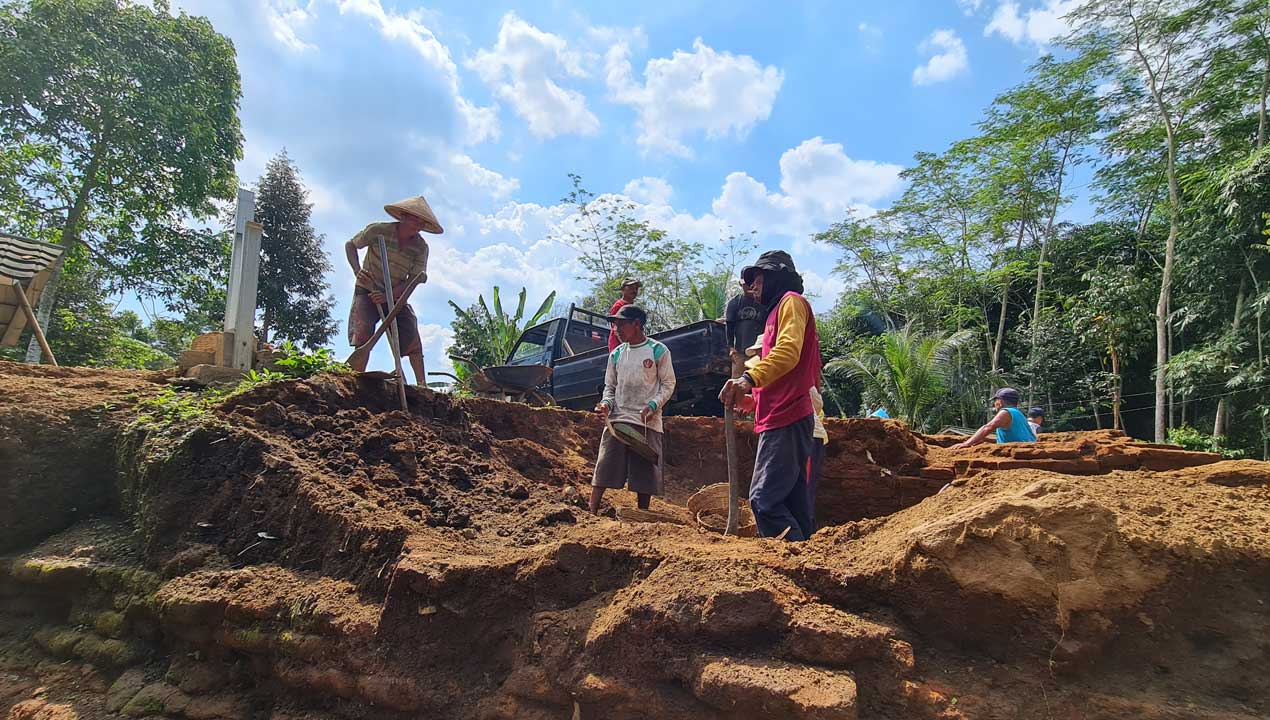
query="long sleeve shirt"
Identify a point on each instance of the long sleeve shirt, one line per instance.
(789, 366)
(637, 377)
(791, 327)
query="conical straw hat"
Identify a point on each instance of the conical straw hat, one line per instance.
(418, 207)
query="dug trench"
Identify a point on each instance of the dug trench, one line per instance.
(304, 550)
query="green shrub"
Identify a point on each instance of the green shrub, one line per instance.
(298, 364)
(1191, 439)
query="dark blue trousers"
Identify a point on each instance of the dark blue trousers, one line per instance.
(779, 491)
(815, 468)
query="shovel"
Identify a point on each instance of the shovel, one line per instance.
(393, 338)
(360, 355)
(734, 487)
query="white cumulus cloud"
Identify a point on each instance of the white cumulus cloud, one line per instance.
(285, 18)
(479, 123)
(702, 91)
(1036, 26)
(525, 68)
(819, 184)
(650, 190)
(947, 58)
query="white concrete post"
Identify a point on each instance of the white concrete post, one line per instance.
(244, 273)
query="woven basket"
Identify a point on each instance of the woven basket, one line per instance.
(710, 506)
(712, 497)
(717, 521)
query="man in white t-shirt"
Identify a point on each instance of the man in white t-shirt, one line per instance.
(1035, 419)
(638, 383)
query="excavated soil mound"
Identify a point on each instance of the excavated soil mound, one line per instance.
(304, 550)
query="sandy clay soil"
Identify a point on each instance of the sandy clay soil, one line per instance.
(304, 550)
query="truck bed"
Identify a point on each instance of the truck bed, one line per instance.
(698, 352)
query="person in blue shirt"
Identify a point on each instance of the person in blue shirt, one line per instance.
(1009, 423)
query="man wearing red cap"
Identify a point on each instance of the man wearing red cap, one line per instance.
(630, 290)
(407, 258)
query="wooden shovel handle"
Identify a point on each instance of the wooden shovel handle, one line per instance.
(734, 484)
(363, 350)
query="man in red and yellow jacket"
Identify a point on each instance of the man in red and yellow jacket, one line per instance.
(779, 386)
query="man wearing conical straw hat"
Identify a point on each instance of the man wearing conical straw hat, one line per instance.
(407, 257)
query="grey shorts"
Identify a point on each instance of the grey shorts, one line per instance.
(618, 467)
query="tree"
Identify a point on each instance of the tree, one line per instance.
(908, 372)
(118, 121)
(1168, 43)
(487, 338)
(682, 281)
(870, 251)
(1112, 314)
(609, 240)
(1050, 119)
(292, 295)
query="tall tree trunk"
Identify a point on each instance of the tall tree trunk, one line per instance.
(1115, 389)
(1171, 388)
(1040, 267)
(70, 240)
(1219, 419)
(1005, 306)
(1166, 287)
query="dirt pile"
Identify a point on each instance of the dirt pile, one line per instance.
(305, 550)
(49, 415)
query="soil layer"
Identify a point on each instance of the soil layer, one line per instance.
(305, 550)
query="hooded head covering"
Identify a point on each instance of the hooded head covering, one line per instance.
(779, 276)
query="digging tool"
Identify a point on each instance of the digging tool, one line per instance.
(362, 353)
(394, 340)
(734, 486)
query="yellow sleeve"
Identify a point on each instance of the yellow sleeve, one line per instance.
(791, 320)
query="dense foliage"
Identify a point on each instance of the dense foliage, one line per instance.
(683, 282)
(118, 122)
(292, 296)
(1149, 316)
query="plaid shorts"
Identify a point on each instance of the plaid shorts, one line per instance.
(363, 317)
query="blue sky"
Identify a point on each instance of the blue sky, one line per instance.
(712, 117)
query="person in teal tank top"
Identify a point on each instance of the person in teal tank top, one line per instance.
(1009, 423)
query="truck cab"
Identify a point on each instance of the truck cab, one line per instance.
(576, 348)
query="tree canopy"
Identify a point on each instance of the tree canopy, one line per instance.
(292, 296)
(118, 124)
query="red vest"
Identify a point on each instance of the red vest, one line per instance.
(788, 399)
(613, 341)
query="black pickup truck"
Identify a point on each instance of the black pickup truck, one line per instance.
(576, 348)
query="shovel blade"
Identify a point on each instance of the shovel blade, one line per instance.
(360, 356)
